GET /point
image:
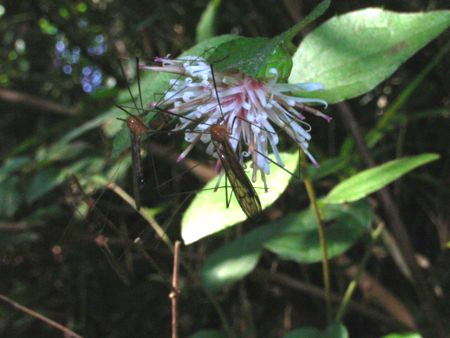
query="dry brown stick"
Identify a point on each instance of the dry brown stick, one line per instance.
(376, 293)
(36, 102)
(67, 332)
(315, 291)
(175, 288)
(424, 292)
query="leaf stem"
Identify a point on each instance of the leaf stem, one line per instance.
(320, 227)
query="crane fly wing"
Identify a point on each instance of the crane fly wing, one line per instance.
(241, 185)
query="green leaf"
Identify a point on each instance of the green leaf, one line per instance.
(235, 260)
(352, 53)
(44, 181)
(10, 197)
(351, 222)
(256, 56)
(403, 335)
(327, 167)
(206, 25)
(334, 330)
(208, 334)
(208, 214)
(373, 179)
(11, 165)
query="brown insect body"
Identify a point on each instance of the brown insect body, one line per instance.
(241, 185)
(137, 128)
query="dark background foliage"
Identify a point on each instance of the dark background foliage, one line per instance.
(59, 69)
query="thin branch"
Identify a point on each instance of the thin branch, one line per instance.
(175, 289)
(48, 321)
(320, 228)
(36, 102)
(315, 291)
(376, 293)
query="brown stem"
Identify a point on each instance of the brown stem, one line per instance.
(48, 321)
(36, 102)
(424, 292)
(175, 288)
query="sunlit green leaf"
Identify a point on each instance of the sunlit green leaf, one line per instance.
(208, 214)
(350, 54)
(371, 180)
(403, 335)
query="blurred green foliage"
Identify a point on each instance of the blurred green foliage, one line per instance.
(59, 77)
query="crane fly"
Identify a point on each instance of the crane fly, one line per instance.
(242, 187)
(137, 128)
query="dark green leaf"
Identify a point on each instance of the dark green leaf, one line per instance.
(371, 180)
(350, 54)
(9, 196)
(237, 259)
(208, 334)
(334, 330)
(44, 181)
(11, 165)
(327, 167)
(351, 222)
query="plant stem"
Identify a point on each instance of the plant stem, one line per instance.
(323, 244)
(354, 283)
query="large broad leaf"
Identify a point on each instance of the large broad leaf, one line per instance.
(350, 54)
(237, 259)
(208, 214)
(350, 223)
(334, 330)
(373, 179)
